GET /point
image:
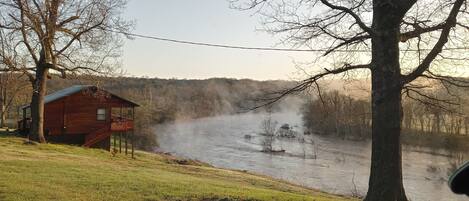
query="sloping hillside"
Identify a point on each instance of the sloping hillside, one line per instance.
(59, 172)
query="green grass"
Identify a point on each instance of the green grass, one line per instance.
(60, 172)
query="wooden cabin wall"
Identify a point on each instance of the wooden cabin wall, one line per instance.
(78, 113)
(53, 118)
(81, 114)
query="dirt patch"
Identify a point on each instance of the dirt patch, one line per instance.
(29, 142)
(170, 159)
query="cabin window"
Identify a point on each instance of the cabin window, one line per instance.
(101, 114)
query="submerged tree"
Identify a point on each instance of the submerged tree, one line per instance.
(395, 41)
(64, 37)
(268, 126)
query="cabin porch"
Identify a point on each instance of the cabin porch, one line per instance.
(84, 119)
(118, 134)
(122, 128)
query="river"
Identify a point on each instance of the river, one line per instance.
(327, 164)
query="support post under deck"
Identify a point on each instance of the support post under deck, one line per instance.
(115, 143)
(125, 142)
(133, 144)
(120, 142)
(133, 133)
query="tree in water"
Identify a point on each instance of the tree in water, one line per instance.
(268, 127)
(395, 41)
(49, 38)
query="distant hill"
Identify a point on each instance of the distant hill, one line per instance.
(167, 100)
(183, 99)
(358, 88)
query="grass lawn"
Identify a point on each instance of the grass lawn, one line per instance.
(60, 172)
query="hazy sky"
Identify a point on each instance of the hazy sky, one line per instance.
(209, 21)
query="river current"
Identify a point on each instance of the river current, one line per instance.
(323, 163)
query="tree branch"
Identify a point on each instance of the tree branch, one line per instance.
(404, 37)
(357, 18)
(304, 84)
(438, 47)
(25, 36)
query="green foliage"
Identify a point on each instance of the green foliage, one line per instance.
(60, 172)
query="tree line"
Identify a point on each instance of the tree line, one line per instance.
(424, 123)
(160, 100)
(338, 114)
(395, 42)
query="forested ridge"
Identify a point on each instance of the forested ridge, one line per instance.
(341, 110)
(167, 100)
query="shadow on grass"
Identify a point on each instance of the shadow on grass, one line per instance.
(5, 134)
(2, 194)
(226, 199)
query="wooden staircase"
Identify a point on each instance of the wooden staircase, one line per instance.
(97, 136)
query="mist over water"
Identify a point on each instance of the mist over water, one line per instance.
(328, 164)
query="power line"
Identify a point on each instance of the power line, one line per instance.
(219, 45)
(256, 48)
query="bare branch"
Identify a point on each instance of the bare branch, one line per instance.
(443, 39)
(358, 20)
(274, 97)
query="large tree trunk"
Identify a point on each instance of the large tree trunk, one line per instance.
(2, 104)
(3, 115)
(37, 105)
(385, 182)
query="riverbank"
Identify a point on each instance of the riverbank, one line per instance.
(333, 165)
(60, 172)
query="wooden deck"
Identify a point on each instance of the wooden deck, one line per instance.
(122, 125)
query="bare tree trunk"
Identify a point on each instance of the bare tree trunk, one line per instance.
(3, 105)
(3, 115)
(385, 182)
(458, 126)
(437, 123)
(37, 105)
(466, 127)
(408, 118)
(422, 124)
(3, 99)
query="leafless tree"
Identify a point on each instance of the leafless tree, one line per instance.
(268, 126)
(397, 41)
(47, 38)
(338, 114)
(11, 86)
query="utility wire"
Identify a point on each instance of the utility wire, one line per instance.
(257, 48)
(219, 45)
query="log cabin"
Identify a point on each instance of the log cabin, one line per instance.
(85, 115)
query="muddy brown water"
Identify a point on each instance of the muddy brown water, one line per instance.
(330, 165)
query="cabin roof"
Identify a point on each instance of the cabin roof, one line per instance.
(73, 90)
(65, 92)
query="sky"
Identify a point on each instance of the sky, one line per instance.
(210, 21)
